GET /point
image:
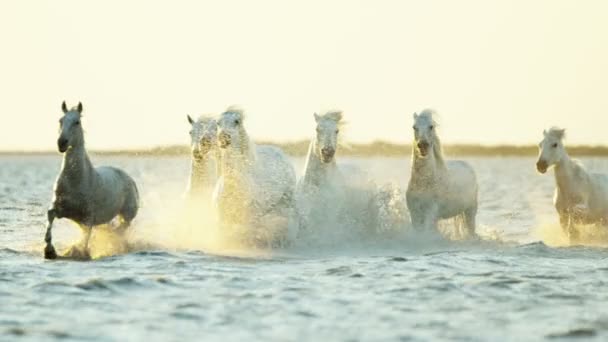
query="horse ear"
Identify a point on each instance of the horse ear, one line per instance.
(190, 119)
(80, 107)
(544, 132)
(561, 133)
(415, 115)
(317, 117)
(64, 107)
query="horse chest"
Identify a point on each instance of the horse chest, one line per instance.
(565, 200)
(69, 203)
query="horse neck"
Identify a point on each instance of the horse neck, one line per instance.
(438, 153)
(565, 172)
(201, 172)
(76, 165)
(314, 169)
(236, 169)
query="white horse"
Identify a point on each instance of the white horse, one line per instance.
(580, 197)
(438, 189)
(88, 196)
(204, 158)
(327, 192)
(256, 183)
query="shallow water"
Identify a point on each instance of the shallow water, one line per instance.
(176, 285)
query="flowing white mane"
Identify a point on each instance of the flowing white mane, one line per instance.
(334, 115)
(556, 132)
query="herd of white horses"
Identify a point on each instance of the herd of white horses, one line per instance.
(254, 187)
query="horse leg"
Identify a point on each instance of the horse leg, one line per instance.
(122, 227)
(431, 219)
(49, 250)
(87, 236)
(567, 223)
(469, 221)
(417, 221)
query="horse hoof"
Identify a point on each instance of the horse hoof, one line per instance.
(49, 252)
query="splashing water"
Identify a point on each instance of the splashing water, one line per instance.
(175, 275)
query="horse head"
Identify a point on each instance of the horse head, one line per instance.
(203, 136)
(424, 127)
(551, 149)
(70, 129)
(328, 127)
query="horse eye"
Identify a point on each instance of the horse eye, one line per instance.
(77, 123)
(554, 145)
(431, 127)
(337, 131)
(237, 122)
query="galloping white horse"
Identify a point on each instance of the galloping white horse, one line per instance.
(328, 190)
(88, 196)
(438, 189)
(256, 182)
(580, 197)
(204, 157)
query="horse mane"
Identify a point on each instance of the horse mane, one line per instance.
(334, 115)
(205, 118)
(430, 115)
(235, 109)
(556, 132)
(438, 150)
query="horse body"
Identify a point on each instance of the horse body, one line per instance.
(580, 197)
(438, 189)
(255, 182)
(88, 196)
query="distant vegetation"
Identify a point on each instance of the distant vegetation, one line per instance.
(377, 148)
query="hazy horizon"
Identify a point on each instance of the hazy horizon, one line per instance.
(497, 72)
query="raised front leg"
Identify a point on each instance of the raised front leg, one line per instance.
(431, 219)
(49, 250)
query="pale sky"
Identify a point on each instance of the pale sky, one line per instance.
(496, 71)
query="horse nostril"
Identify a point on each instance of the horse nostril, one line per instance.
(422, 144)
(541, 165)
(327, 151)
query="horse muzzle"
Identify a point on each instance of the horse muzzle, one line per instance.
(327, 154)
(224, 140)
(62, 145)
(542, 166)
(205, 145)
(423, 148)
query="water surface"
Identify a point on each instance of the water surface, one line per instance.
(510, 286)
